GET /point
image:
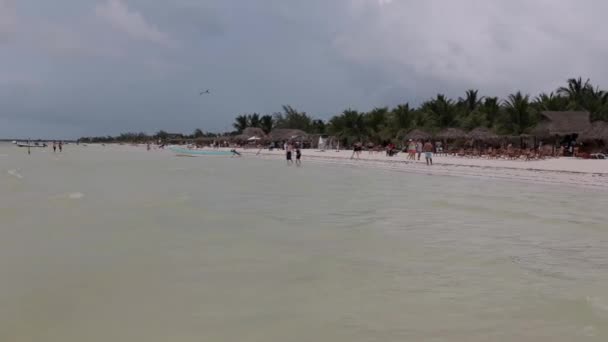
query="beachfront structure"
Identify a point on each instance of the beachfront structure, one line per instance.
(250, 134)
(451, 134)
(286, 134)
(417, 134)
(598, 131)
(561, 124)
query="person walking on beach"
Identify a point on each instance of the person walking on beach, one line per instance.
(298, 156)
(411, 150)
(419, 148)
(54, 146)
(60, 146)
(356, 151)
(288, 150)
(428, 152)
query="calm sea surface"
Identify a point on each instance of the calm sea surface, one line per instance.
(120, 244)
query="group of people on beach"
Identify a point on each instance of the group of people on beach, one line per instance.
(57, 145)
(416, 148)
(290, 148)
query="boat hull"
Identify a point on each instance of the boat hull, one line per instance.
(189, 152)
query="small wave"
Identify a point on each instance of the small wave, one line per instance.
(76, 195)
(589, 331)
(599, 305)
(15, 173)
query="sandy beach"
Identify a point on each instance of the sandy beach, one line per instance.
(564, 171)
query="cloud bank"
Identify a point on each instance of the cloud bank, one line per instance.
(92, 67)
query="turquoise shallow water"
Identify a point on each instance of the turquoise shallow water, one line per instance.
(121, 244)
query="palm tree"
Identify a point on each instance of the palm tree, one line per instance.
(550, 101)
(240, 123)
(520, 116)
(254, 120)
(376, 124)
(576, 92)
(348, 126)
(318, 126)
(442, 109)
(471, 100)
(491, 108)
(401, 119)
(293, 119)
(596, 102)
(198, 133)
(267, 123)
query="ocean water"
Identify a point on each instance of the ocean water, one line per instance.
(120, 244)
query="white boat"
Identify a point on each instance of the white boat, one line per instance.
(30, 144)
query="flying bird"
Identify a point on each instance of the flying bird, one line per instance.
(205, 92)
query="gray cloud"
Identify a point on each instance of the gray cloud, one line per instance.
(7, 20)
(81, 67)
(121, 18)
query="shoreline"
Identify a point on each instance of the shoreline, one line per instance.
(556, 171)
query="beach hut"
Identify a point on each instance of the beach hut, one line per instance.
(482, 134)
(597, 131)
(595, 138)
(563, 127)
(250, 135)
(251, 132)
(451, 134)
(561, 124)
(286, 134)
(417, 134)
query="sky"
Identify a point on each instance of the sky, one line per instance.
(72, 68)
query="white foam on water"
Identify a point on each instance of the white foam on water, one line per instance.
(76, 195)
(15, 173)
(589, 331)
(184, 197)
(599, 305)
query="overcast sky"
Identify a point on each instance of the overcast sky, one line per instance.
(70, 68)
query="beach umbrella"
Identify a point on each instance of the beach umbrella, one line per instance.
(417, 134)
(451, 134)
(482, 134)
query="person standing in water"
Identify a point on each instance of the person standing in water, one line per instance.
(288, 150)
(428, 152)
(298, 156)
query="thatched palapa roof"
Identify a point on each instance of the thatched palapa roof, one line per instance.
(597, 131)
(250, 132)
(482, 134)
(417, 134)
(451, 133)
(281, 134)
(561, 123)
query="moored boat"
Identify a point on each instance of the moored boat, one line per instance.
(30, 145)
(192, 152)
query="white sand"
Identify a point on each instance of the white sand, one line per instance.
(567, 171)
